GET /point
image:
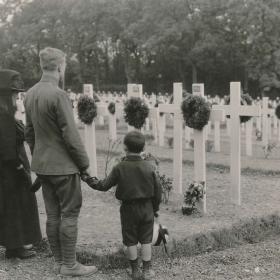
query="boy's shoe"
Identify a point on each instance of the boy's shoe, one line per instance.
(136, 274)
(57, 267)
(78, 270)
(135, 270)
(148, 274)
(20, 253)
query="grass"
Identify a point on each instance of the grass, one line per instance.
(214, 166)
(249, 231)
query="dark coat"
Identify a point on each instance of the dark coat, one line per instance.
(51, 132)
(19, 219)
(135, 178)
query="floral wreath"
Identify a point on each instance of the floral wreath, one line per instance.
(135, 112)
(87, 109)
(112, 108)
(246, 99)
(196, 111)
(277, 111)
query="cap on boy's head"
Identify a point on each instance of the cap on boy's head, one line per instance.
(134, 141)
(51, 58)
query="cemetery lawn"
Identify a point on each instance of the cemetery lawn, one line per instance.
(100, 232)
(100, 222)
(253, 261)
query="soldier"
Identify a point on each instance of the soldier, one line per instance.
(58, 158)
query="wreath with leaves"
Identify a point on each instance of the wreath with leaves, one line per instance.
(112, 108)
(196, 111)
(87, 109)
(135, 112)
(277, 111)
(246, 99)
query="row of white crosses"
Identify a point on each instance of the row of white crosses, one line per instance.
(158, 123)
(235, 110)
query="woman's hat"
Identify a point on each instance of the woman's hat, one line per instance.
(10, 81)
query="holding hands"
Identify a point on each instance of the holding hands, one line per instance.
(91, 181)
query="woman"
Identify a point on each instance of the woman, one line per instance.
(19, 220)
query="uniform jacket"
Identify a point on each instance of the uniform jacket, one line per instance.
(51, 131)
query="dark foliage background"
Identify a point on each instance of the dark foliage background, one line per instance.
(154, 42)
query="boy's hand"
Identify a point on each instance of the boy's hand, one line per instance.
(84, 176)
(92, 181)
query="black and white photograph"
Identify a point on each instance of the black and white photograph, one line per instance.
(140, 139)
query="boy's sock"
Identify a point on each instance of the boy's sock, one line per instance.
(146, 251)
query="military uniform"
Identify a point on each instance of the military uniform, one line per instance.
(58, 156)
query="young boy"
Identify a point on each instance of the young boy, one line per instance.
(139, 190)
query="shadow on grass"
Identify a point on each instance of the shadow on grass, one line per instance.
(249, 231)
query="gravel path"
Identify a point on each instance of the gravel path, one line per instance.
(255, 261)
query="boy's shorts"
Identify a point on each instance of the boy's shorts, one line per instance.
(137, 219)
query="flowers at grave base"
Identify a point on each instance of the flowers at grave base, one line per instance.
(268, 149)
(87, 109)
(193, 195)
(167, 186)
(112, 108)
(165, 182)
(246, 99)
(135, 112)
(196, 111)
(277, 111)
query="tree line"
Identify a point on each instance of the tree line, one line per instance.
(110, 43)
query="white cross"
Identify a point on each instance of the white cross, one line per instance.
(154, 115)
(235, 110)
(216, 115)
(90, 138)
(134, 90)
(177, 134)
